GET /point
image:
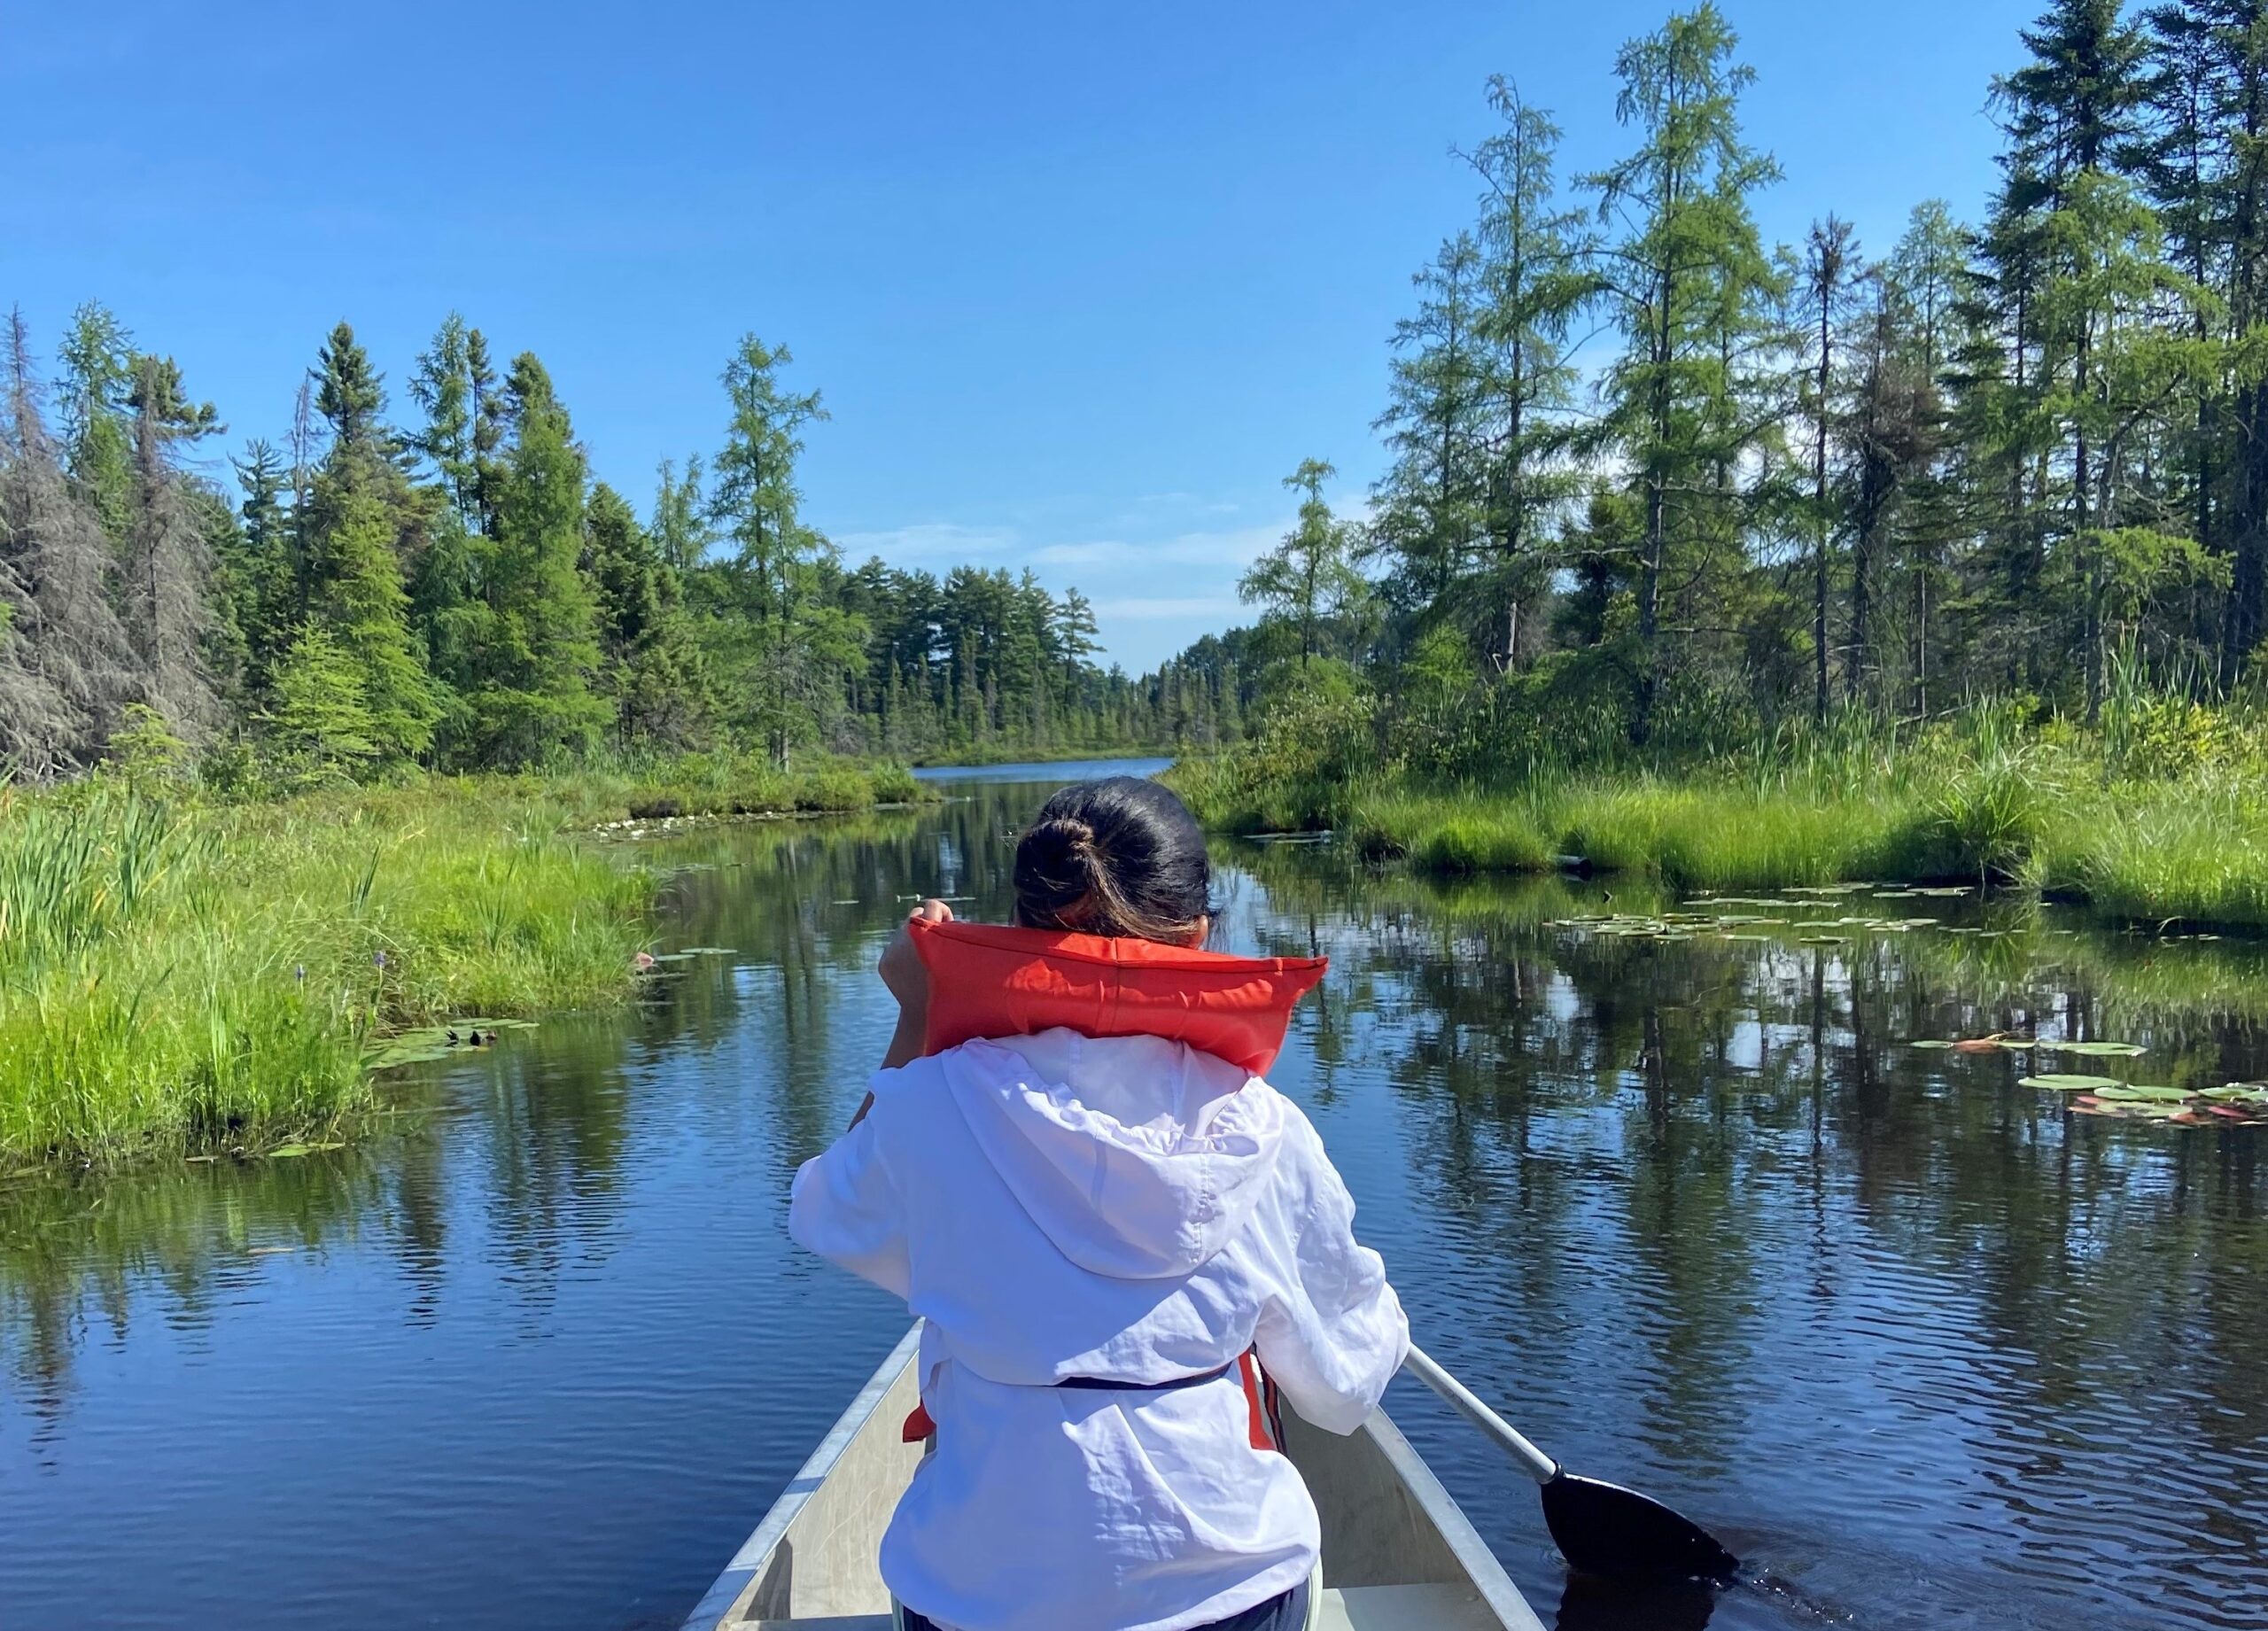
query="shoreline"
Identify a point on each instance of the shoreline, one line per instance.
(2192, 851)
(199, 978)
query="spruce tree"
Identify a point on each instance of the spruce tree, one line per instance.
(526, 697)
(651, 669)
(358, 510)
(350, 394)
(258, 568)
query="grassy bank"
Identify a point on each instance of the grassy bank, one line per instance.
(2052, 815)
(176, 973)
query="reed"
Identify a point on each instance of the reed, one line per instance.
(2161, 816)
(173, 973)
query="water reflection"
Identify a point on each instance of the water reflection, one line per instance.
(1929, 1350)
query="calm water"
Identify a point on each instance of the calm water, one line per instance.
(1929, 1352)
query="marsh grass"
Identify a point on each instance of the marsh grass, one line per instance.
(177, 975)
(2160, 818)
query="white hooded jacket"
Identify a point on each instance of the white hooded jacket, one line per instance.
(1123, 1209)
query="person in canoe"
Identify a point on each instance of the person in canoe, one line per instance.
(1122, 1240)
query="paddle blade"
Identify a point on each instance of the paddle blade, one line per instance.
(1617, 1534)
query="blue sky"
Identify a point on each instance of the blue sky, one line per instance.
(1079, 284)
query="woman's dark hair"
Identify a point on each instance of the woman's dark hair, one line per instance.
(1121, 855)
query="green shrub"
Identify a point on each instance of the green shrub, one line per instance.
(894, 784)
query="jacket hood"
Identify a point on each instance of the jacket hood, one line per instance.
(1138, 1157)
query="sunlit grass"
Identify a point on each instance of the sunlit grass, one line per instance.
(2194, 851)
(1980, 804)
(178, 974)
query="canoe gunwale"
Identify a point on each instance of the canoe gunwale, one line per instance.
(1478, 1566)
(726, 1593)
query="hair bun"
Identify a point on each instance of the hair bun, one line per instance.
(1068, 838)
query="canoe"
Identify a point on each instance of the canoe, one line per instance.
(1398, 1553)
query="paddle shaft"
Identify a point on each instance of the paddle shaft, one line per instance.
(1533, 1461)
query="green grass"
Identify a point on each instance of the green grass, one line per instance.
(176, 973)
(2191, 848)
(2194, 851)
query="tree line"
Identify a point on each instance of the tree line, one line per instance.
(1656, 484)
(361, 595)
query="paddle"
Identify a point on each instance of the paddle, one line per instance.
(1601, 1529)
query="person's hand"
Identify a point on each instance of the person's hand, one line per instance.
(902, 969)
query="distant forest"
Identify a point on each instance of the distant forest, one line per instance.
(1656, 485)
(363, 593)
(1651, 486)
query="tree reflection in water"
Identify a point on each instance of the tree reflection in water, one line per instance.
(1695, 1211)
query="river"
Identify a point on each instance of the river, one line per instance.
(1926, 1348)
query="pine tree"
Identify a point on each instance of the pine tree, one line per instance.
(350, 393)
(1430, 503)
(357, 509)
(1536, 278)
(2204, 160)
(97, 376)
(525, 695)
(258, 570)
(1830, 267)
(443, 386)
(1308, 581)
(650, 668)
(1689, 284)
(359, 605)
(789, 648)
(321, 716)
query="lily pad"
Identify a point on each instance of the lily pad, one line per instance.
(2056, 1082)
(2100, 1050)
(1937, 1042)
(711, 951)
(1940, 892)
(2133, 1092)
(284, 1152)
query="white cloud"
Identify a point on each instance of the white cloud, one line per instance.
(1141, 608)
(928, 541)
(1237, 547)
